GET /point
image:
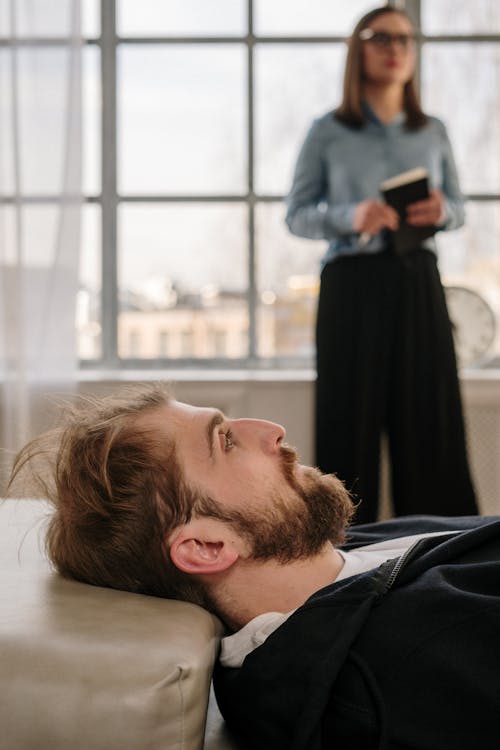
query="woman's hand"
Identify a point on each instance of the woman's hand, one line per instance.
(371, 216)
(429, 212)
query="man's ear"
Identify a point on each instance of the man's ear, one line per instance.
(203, 546)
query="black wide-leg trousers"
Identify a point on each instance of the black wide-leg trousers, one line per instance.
(386, 363)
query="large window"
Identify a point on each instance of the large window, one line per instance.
(460, 76)
(194, 113)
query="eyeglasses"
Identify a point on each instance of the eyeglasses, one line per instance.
(383, 40)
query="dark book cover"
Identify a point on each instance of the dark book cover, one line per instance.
(398, 192)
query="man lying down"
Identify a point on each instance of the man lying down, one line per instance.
(378, 636)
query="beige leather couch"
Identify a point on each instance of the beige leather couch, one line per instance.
(88, 668)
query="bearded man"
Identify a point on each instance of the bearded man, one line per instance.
(377, 636)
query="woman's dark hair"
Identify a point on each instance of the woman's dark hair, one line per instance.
(350, 111)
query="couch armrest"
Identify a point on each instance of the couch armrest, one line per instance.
(89, 668)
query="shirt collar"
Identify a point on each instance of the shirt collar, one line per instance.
(372, 117)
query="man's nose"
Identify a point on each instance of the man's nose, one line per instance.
(269, 434)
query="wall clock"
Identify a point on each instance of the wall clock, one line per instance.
(473, 323)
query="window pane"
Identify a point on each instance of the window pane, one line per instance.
(470, 256)
(41, 108)
(467, 97)
(50, 18)
(181, 17)
(460, 16)
(41, 226)
(183, 280)
(182, 119)
(5, 22)
(6, 125)
(88, 302)
(42, 112)
(91, 21)
(288, 282)
(91, 101)
(294, 84)
(308, 17)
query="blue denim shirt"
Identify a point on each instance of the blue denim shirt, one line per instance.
(339, 166)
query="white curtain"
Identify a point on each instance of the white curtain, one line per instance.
(40, 194)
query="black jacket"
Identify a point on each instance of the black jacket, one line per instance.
(403, 657)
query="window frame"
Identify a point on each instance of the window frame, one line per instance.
(109, 199)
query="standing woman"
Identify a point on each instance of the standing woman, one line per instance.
(385, 355)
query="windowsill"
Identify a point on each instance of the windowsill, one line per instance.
(199, 375)
(204, 375)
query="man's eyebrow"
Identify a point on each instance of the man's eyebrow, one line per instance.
(217, 418)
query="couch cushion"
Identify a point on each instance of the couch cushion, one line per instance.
(89, 668)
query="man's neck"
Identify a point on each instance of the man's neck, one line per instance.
(255, 587)
(386, 101)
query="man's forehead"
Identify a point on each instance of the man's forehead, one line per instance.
(194, 414)
(193, 430)
(177, 418)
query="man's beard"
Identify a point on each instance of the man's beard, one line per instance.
(316, 510)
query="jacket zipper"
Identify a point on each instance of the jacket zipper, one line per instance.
(405, 558)
(400, 564)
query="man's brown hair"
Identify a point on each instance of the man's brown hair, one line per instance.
(351, 111)
(117, 491)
